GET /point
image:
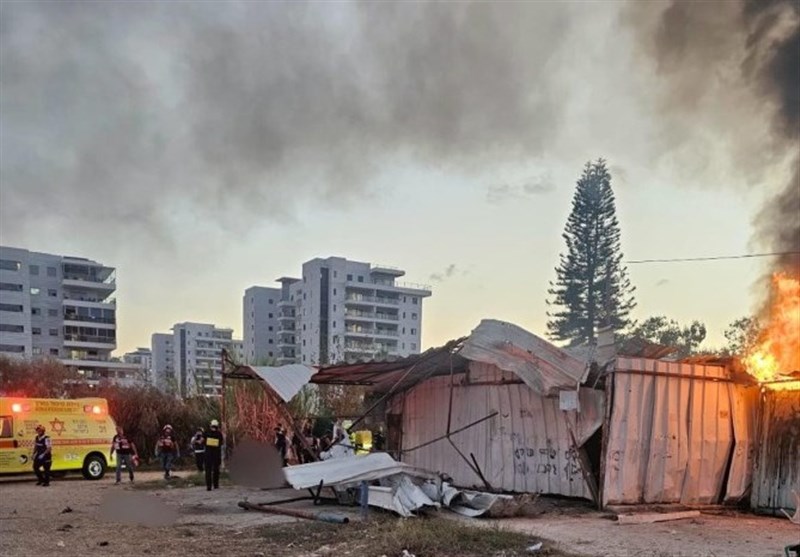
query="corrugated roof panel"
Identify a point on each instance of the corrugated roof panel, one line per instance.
(286, 381)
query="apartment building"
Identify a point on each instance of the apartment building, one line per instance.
(143, 359)
(61, 307)
(338, 310)
(188, 361)
(260, 311)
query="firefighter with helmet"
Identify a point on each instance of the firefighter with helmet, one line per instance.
(213, 445)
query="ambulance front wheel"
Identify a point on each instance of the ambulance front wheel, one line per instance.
(94, 467)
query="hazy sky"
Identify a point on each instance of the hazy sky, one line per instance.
(204, 147)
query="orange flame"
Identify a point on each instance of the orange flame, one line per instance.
(777, 350)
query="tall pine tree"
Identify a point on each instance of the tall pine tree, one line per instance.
(592, 289)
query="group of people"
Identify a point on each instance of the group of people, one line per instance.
(207, 446)
(307, 447)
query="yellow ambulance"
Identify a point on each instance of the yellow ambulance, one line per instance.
(81, 431)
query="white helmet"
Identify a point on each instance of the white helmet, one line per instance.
(214, 423)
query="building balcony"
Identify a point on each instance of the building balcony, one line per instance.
(89, 341)
(358, 332)
(386, 317)
(286, 345)
(371, 300)
(109, 285)
(79, 320)
(89, 301)
(285, 318)
(386, 333)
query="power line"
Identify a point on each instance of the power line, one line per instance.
(713, 258)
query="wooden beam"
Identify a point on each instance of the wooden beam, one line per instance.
(649, 518)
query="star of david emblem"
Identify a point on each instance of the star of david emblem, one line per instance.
(57, 426)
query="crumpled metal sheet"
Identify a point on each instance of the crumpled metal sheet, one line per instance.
(542, 366)
(349, 471)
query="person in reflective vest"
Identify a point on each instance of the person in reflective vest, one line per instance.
(167, 450)
(213, 455)
(126, 452)
(42, 456)
(198, 444)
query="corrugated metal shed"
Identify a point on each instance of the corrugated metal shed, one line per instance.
(671, 434)
(526, 447)
(777, 463)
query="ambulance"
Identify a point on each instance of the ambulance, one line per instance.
(81, 431)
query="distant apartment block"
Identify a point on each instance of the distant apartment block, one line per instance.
(143, 359)
(338, 310)
(61, 307)
(188, 361)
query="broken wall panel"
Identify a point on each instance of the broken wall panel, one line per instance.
(526, 447)
(670, 434)
(744, 414)
(777, 463)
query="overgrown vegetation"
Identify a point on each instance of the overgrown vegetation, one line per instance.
(422, 537)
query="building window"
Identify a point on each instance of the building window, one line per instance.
(404, 330)
(6, 328)
(269, 341)
(304, 326)
(404, 346)
(413, 346)
(9, 265)
(54, 351)
(334, 307)
(334, 324)
(349, 277)
(360, 278)
(270, 300)
(51, 271)
(10, 286)
(52, 293)
(404, 299)
(404, 315)
(16, 308)
(13, 348)
(334, 292)
(414, 300)
(36, 311)
(36, 351)
(304, 357)
(304, 342)
(269, 315)
(334, 274)
(414, 316)
(36, 331)
(304, 295)
(34, 269)
(53, 332)
(269, 328)
(269, 354)
(34, 291)
(413, 331)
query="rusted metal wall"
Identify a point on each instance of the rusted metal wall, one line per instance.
(777, 463)
(671, 434)
(525, 448)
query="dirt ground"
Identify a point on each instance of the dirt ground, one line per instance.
(35, 521)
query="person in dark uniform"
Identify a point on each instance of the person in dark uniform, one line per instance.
(213, 445)
(198, 444)
(280, 443)
(42, 456)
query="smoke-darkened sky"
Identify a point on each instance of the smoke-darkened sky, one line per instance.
(204, 147)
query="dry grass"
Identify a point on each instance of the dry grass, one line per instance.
(389, 537)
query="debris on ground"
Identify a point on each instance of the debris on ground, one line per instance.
(649, 518)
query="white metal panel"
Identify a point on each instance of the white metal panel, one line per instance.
(349, 470)
(545, 368)
(525, 448)
(285, 380)
(670, 435)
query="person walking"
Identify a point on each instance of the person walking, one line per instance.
(198, 445)
(126, 453)
(167, 450)
(214, 441)
(42, 456)
(281, 444)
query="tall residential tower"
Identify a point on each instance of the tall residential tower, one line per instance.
(338, 310)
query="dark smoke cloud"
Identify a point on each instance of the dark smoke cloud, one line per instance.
(132, 118)
(723, 52)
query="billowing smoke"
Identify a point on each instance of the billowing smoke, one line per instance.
(134, 113)
(722, 53)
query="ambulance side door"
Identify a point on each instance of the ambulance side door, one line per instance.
(13, 457)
